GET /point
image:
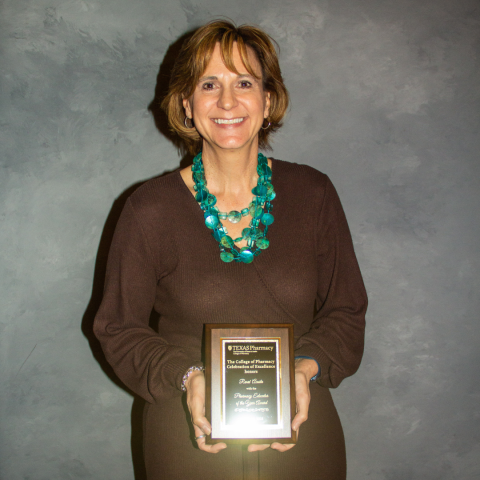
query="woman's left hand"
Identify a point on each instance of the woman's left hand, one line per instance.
(305, 369)
(195, 386)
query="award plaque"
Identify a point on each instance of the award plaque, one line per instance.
(250, 383)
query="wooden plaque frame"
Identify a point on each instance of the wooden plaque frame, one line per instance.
(250, 383)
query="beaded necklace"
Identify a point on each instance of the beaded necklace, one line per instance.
(259, 209)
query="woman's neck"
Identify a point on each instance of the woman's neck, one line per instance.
(231, 175)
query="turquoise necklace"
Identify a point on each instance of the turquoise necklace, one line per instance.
(259, 209)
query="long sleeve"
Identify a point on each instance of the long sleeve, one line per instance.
(140, 357)
(336, 336)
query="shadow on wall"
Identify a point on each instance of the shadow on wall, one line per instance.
(161, 123)
(161, 89)
(87, 327)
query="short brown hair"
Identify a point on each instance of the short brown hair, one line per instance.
(193, 59)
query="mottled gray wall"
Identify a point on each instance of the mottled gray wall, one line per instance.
(385, 100)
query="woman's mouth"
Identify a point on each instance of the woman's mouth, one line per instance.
(225, 121)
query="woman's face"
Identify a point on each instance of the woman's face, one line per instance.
(227, 108)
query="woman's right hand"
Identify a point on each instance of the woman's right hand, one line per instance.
(195, 386)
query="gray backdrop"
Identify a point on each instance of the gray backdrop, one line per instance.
(385, 100)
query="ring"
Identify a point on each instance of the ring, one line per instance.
(200, 436)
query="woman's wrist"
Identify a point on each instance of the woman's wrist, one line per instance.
(308, 366)
(190, 373)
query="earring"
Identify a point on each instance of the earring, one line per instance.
(265, 128)
(191, 122)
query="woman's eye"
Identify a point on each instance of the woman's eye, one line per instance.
(245, 84)
(208, 86)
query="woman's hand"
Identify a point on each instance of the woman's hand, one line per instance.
(195, 386)
(305, 369)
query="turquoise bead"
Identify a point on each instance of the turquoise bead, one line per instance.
(246, 256)
(260, 191)
(255, 233)
(218, 233)
(245, 232)
(234, 216)
(227, 257)
(211, 200)
(201, 195)
(227, 241)
(267, 219)
(264, 171)
(199, 177)
(256, 212)
(211, 221)
(238, 239)
(210, 211)
(263, 243)
(262, 159)
(271, 195)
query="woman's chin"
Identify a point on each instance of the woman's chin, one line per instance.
(231, 143)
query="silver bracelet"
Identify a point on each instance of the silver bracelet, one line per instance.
(187, 374)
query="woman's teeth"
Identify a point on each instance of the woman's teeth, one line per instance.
(228, 122)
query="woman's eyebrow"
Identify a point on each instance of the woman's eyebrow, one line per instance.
(207, 78)
(245, 75)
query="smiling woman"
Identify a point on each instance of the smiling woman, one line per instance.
(171, 252)
(244, 49)
(228, 107)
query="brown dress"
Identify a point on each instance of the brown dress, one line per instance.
(163, 256)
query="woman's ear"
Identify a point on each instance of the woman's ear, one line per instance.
(187, 107)
(266, 112)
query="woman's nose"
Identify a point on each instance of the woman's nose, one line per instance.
(227, 99)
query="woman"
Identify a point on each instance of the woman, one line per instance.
(285, 257)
